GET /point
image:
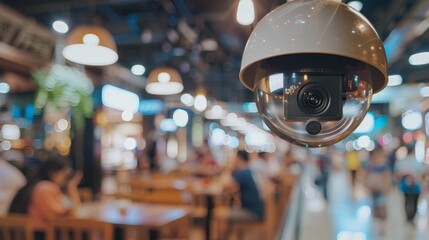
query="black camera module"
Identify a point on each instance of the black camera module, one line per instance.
(311, 96)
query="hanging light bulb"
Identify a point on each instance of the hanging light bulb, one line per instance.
(245, 12)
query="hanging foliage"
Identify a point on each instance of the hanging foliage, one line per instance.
(61, 86)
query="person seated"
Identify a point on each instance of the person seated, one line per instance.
(43, 199)
(11, 180)
(252, 205)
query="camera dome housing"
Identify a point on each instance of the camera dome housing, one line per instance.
(313, 67)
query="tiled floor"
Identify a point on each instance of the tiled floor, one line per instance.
(347, 215)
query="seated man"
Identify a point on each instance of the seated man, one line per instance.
(252, 206)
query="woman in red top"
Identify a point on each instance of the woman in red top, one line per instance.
(47, 200)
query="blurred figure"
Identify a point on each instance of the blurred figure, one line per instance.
(43, 200)
(252, 205)
(11, 180)
(323, 162)
(409, 172)
(411, 190)
(353, 165)
(377, 180)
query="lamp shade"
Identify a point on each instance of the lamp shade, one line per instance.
(164, 81)
(90, 45)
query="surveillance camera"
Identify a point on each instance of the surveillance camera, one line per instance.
(313, 66)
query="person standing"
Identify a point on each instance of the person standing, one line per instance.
(409, 172)
(411, 190)
(11, 180)
(377, 180)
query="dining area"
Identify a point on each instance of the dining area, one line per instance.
(133, 205)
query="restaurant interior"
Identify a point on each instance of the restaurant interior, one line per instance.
(133, 119)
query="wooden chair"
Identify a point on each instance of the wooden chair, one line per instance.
(284, 189)
(16, 227)
(76, 229)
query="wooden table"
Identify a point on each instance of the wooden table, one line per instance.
(209, 189)
(150, 217)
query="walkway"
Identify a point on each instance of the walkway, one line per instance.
(347, 216)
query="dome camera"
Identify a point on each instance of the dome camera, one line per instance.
(313, 66)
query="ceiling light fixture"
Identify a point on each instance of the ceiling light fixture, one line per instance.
(245, 12)
(419, 58)
(138, 69)
(164, 81)
(90, 45)
(394, 80)
(60, 26)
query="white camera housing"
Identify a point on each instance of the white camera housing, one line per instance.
(313, 66)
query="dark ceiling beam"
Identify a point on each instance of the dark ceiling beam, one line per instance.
(39, 8)
(183, 9)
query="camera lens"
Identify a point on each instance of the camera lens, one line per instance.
(313, 98)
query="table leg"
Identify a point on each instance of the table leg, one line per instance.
(154, 235)
(210, 206)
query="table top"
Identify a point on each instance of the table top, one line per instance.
(194, 185)
(145, 215)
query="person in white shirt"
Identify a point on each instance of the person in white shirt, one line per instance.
(11, 180)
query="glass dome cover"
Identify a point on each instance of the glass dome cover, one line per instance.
(313, 66)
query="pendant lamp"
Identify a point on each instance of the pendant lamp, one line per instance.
(164, 81)
(90, 45)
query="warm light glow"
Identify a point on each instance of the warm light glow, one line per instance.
(215, 112)
(180, 117)
(60, 26)
(4, 87)
(90, 55)
(412, 120)
(200, 103)
(61, 125)
(164, 77)
(424, 91)
(130, 143)
(119, 99)
(245, 12)
(394, 80)
(127, 116)
(367, 124)
(419, 58)
(218, 137)
(138, 69)
(91, 39)
(10, 132)
(187, 99)
(358, 5)
(364, 141)
(158, 88)
(172, 148)
(6, 145)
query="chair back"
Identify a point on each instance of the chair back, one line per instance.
(270, 209)
(16, 227)
(79, 229)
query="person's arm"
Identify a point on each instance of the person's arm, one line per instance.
(71, 189)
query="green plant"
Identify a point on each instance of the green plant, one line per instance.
(63, 86)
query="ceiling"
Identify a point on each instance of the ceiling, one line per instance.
(171, 32)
